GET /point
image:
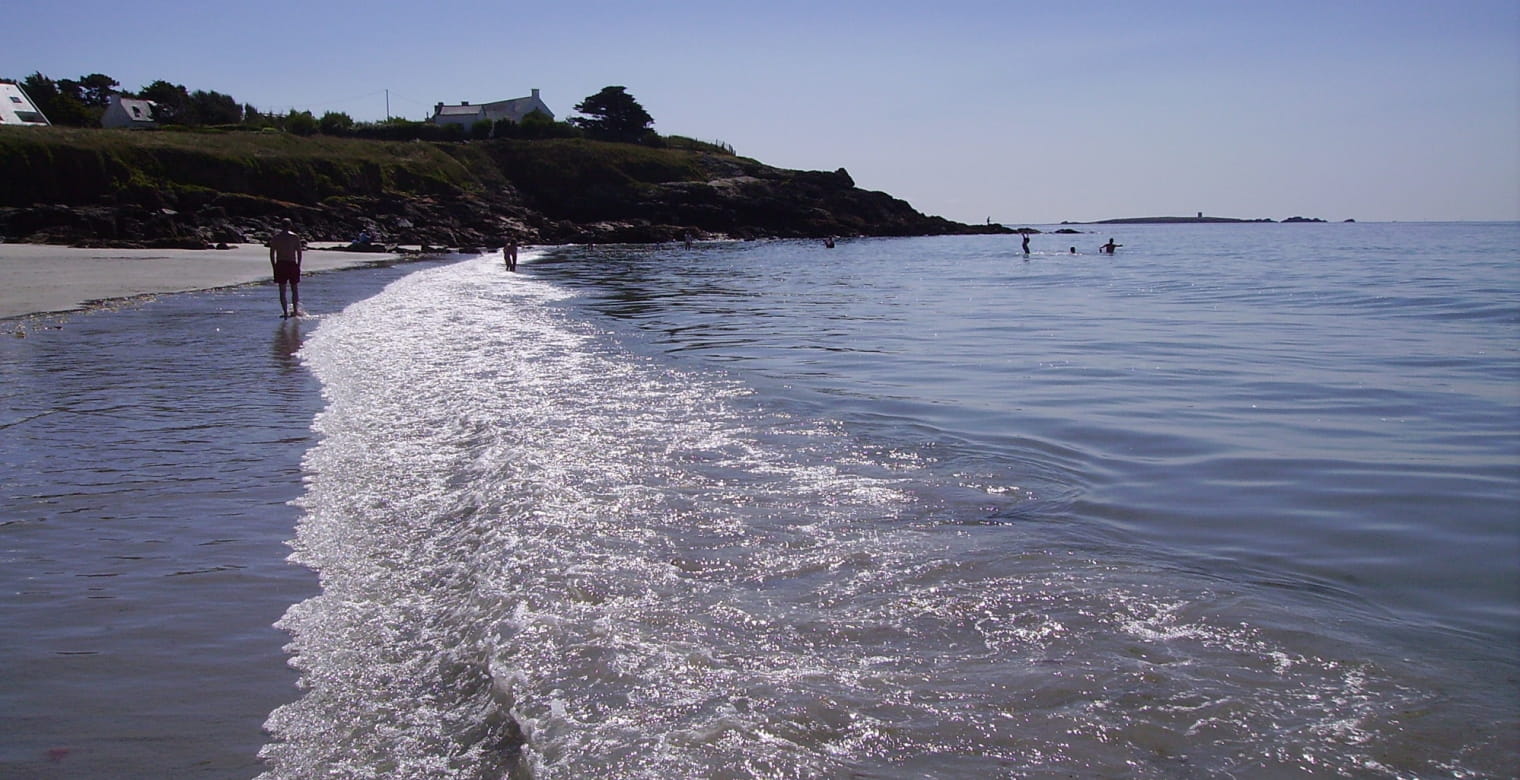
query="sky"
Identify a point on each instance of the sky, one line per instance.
(1013, 111)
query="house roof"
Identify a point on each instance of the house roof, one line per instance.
(518, 108)
(461, 110)
(137, 109)
(515, 105)
(16, 107)
(514, 109)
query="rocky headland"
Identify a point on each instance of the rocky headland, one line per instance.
(1198, 220)
(193, 190)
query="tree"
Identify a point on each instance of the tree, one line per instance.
(43, 92)
(252, 117)
(171, 103)
(96, 90)
(613, 115)
(175, 105)
(538, 125)
(60, 101)
(336, 123)
(301, 123)
(73, 106)
(213, 108)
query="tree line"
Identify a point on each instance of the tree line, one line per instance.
(81, 102)
(610, 115)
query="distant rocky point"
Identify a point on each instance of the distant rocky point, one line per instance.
(1198, 220)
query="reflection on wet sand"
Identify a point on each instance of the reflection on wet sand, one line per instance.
(287, 342)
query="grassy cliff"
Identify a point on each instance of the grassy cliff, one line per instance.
(81, 166)
(117, 186)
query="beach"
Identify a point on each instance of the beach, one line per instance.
(41, 279)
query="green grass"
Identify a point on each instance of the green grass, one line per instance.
(77, 166)
(81, 166)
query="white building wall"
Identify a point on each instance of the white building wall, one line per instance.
(123, 112)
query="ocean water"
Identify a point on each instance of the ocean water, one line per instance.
(1240, 500)
(148, 456)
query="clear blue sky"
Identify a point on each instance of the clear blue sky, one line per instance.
(1025, 112)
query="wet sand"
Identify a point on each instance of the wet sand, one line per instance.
(40, 279)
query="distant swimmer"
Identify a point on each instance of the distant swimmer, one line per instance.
(828, 242)
(1109, 248)
(1073, 250)
(285, 253)
(1026, 243)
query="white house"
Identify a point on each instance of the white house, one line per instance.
(17, 108)
(127, 112)
(465, 114)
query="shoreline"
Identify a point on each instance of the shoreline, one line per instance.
(155, 447)
(39, 279)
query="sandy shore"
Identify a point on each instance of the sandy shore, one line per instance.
(39, 279)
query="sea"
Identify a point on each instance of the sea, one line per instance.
(1236, 501)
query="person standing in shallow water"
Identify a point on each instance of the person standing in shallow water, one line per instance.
(285, 254)
(509, 254)
(1109, 248)
(1026, 243)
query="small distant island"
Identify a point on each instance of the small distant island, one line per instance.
(1200, 219)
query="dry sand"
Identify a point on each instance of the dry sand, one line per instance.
(38, 279)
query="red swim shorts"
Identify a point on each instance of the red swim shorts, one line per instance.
(287, 272)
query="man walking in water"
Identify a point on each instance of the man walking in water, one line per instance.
(285, 254)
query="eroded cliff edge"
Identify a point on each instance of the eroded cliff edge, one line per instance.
(97, 187)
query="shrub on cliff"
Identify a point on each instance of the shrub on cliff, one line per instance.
(336, 123)
(214, 108)
(405, 130)
(692, 144)
(301, 123)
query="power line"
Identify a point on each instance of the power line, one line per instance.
(386, 93)
(339, 102)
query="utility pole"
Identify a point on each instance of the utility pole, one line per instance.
(387, 105)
